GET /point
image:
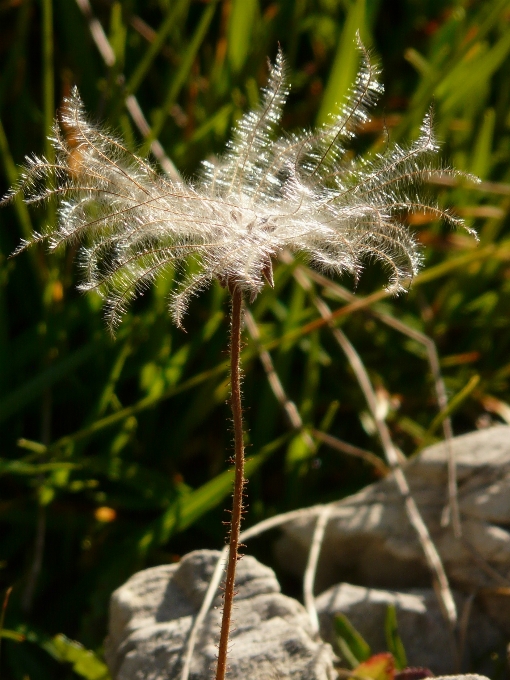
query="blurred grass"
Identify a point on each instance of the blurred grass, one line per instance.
(115, 453)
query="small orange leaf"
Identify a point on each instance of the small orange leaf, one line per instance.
(377, 667)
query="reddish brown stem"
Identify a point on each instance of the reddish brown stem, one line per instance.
(237, 504)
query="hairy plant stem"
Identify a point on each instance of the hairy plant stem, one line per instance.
(239, 481)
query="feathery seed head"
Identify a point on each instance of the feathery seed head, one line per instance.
(268, 193)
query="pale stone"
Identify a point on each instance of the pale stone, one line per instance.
(370, 542)
(421, 626)
(152, 613)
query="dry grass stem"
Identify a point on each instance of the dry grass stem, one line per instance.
(499, 188)
(37, 562)
(439, 386)
(141, 123)
(311, 566)
(275, 383)
(293, 414)
(350, 450)
(97, 33)
(431, 554)
(206, 605)
(464, 619)
(108, 55)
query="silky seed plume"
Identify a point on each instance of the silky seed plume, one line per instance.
(269, 192)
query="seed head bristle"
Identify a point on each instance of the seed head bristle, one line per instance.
(268, 193)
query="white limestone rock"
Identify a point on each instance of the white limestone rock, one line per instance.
(370, 542)
(421, 626)
(152, 613)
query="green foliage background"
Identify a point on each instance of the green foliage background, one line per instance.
(114, 453)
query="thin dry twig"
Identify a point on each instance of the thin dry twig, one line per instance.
(439, 386)
(140, 121)
(210, 594)
(352, 450)
(311, 566)
(107, 53)
(148, 34)
(274, 381)
(293, 414)
(98, 34)
(431, 554)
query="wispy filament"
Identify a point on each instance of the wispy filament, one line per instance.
(266, 194)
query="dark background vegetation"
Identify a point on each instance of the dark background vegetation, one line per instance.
(113, 452)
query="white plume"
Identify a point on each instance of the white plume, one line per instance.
(266, 194)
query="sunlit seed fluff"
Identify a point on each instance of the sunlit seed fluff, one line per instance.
(266, 194)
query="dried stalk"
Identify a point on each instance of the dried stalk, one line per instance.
(431, 554)
(351, 450)
(439, 386)
(463, 628)
(501, 188)
(204, 609)
(311, 566)
(239, 481)
(107, 53)
(35, 568)
(275, 383)
(292, 412)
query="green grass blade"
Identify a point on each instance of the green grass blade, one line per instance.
(10, 69)
(482, 153)
(11, 635)
(471, 76)
(118, 32)
(83, 661)
(446, 60)
(175, 9)
(48, 75)
(352, 645)
(393, 639)
(454, 404)
(240, 29)
(111, 383)
(345, 64)
(138, 407)
(185, 511)
(19, 467)
(11, 173)
(182, 73)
